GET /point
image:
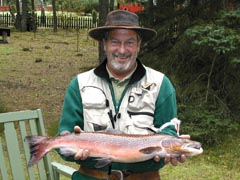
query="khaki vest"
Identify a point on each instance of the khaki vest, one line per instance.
(136, 111)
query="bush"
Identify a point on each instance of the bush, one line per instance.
(203, 64)
(207, 124)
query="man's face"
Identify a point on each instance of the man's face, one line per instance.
(121, 48)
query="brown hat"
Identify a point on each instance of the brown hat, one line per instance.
(120, 19)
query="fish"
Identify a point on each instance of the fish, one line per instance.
(108, 148)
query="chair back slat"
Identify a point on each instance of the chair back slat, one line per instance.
(18, 116)
(3, 168)
(23, 130)
(14, 151)
(42, 132)
(34, 131)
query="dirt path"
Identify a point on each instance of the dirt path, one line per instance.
(36, 68)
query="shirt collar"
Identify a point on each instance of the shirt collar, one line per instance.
(127, 78)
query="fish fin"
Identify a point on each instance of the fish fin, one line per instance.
(150, 150)
(102, 162)
(37, 148)
(67, 151)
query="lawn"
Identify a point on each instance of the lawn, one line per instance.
(220, 162)
(35, 69)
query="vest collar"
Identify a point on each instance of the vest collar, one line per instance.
(101, 71)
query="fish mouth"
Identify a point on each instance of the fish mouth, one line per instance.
(197, 146)
(194, 148)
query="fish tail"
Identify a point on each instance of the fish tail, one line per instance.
(38, 148)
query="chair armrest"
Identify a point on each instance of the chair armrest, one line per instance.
(60, 169)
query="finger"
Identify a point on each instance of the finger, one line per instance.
(174, 161)
(182, 158)
(185, 136)
(167, 158)
(85, 154)
(78, 154)
(77, 129)
(157, 158)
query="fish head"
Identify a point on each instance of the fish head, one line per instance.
(191, 148)
(178, 146)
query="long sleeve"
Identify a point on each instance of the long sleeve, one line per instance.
(72, 111)
(166, 107)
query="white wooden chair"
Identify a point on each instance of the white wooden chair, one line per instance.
(14, 152)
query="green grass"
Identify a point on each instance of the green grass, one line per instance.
(219, 162)
(199, 169)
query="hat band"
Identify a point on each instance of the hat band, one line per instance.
(121, 22)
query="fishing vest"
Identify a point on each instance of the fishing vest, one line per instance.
(135, 113)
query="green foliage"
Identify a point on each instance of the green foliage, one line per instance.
(235, 60)
(89, 5)
(208, 124)
(209, 50)
(203, 64)
(220, 39)
(94, 16)
(85, 6)
(230, 19)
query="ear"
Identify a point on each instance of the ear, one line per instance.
(139, 45)
(104, 44)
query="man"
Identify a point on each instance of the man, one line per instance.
(122, 94)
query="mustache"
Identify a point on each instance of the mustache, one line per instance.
(122, 55)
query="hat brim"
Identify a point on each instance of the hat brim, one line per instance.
(99, 32)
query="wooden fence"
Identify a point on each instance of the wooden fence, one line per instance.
(47, 22)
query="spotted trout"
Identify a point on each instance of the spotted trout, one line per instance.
(107, 148)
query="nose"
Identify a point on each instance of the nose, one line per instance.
(122, 48)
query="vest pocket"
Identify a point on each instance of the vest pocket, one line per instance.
(140, 110)
(95, 109)
(142, 122)
(96, 121)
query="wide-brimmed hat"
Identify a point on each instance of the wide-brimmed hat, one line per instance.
(121, 19)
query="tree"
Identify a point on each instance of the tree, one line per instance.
(24, 18)
(42, 11)
(54, 16)
(33, 17)
(11, 12)
(217, 42)
(111, 5)
(18, 16)
(103, 11)
(150, 13)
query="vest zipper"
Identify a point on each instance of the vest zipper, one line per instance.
(139, 113)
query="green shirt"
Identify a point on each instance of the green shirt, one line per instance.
(119, 85)
(166, 109)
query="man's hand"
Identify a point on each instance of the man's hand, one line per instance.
(174, 161)
(81, 154)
